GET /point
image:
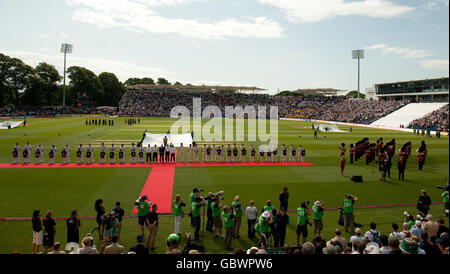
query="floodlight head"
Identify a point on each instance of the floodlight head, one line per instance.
(358, 54)
(66, 48)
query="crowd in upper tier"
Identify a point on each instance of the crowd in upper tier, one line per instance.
(437, 120)
(334, 108)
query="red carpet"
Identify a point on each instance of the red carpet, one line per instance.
(98, 165)
(158, 187)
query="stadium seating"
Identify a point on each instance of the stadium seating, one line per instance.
(407, 114)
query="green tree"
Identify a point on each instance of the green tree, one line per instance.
(84, 81)
(113, 88)
(49, 77)
(177, 84)
(15, 78)
(162, 81)
(132, 81)
(147, 81)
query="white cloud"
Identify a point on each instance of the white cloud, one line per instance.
(43, 35)
(404, 52)
(440, 64)
(122, 69)
(310, 11)
(136, 15)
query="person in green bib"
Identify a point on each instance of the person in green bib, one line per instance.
(215, 208)
(237, 208)
(317, 211)
(195, 193)
(302, 222)
(195, 211)
(165, 141)
(273, 212)
(446, 200)
(177, 209)
(348, 208)
(262, 227)
(228, 219)
(143, 207)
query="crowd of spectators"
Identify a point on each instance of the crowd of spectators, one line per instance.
(334, 108)
(50, 111)
(437, 120)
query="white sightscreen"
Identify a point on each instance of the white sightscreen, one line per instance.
(176, 139)
(4, 125)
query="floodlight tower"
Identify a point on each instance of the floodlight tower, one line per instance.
(65, 48)
(358, 54)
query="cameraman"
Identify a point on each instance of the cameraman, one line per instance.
(195, 211)
(210, 219)
(423, 204)
(302, 221)
(348, 208)
(262, 227)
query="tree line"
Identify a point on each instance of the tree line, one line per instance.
(23, 85)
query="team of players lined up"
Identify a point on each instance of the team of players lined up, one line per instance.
(166, 153)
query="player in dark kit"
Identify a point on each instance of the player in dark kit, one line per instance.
(243, 153)
(235, 153)
(15, 154)
(161, 154)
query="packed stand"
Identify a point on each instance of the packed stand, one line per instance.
(335, 108)
(436, 121)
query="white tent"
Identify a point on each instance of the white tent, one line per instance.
(176, 139)
(331, 128)
(13, 124)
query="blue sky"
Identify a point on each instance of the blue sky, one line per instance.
(272, 44)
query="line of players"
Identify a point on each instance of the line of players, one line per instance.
(166, 153)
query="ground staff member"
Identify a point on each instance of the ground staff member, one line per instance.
(349, 218)
(228, 217)
(262, 227)
(317, 211)
(302, 222)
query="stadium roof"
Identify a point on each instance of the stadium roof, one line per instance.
(417, 80)
(192, 87)
(319, 91)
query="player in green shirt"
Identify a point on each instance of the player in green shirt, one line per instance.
(195, 192)
(302, 221)
(317, 211)
(228, 217)
(237, 207)
(177, 209)
(143, 206)
(347, 208)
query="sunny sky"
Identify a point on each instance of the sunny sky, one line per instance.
(272, 44)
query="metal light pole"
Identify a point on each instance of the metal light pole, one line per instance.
(65, 48)
(358, 54)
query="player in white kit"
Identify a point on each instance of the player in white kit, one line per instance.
(16, 154)
(213, 153)
(261, 153)
(181, 153)
(141, 154)
(122, 154)
(112, 152)
(80, 154)
(90, 154)
(27, 153)
(102, 153)
(52, 155)
(132, 153)
(196, 153)
(190, 149)
(65, 154)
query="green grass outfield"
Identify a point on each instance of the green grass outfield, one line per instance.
(64, 189)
